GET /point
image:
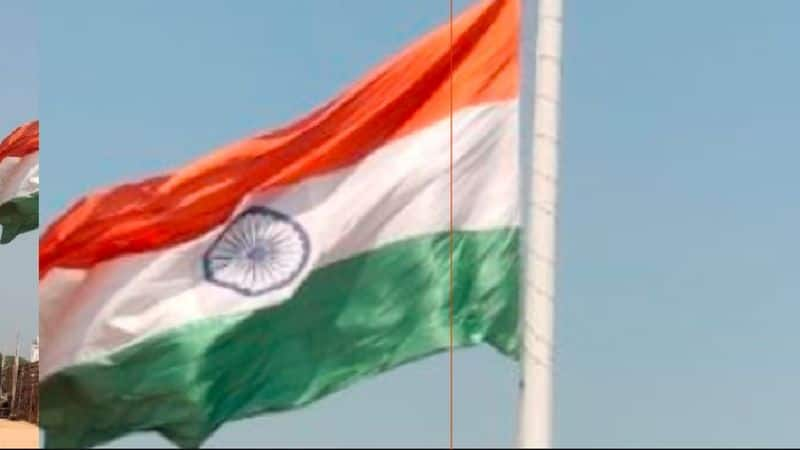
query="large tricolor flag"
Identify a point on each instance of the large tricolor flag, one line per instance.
(19, 182)
(291, 264)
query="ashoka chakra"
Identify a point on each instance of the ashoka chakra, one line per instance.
(260, 251)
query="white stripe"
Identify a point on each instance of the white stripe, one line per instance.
(19, 177)
(398, 192)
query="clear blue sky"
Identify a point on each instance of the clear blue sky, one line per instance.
(19, 64)
(678, 285)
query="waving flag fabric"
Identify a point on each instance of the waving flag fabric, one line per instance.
(293, 263)
(19, 182)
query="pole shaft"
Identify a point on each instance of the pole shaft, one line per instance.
(539, 236)
(14, 375)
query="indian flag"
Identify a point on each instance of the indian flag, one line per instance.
(291, 264)
(19, 182)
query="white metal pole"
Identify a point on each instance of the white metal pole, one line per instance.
(539, 236)
(14, 376)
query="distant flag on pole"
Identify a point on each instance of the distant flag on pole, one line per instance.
(19, 182)
(291, 264)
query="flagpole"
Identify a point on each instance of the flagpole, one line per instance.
(14, 376)
(539, 236)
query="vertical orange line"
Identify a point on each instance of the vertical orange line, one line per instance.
(451, 224)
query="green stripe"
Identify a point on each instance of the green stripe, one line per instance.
(349, 320)
(19, 215)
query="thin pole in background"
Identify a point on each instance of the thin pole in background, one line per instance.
(451, 224)
(14, 376)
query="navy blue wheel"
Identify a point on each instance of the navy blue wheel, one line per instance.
(260, 251)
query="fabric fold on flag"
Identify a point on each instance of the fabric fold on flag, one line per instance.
(19, 182)
(289, 265)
